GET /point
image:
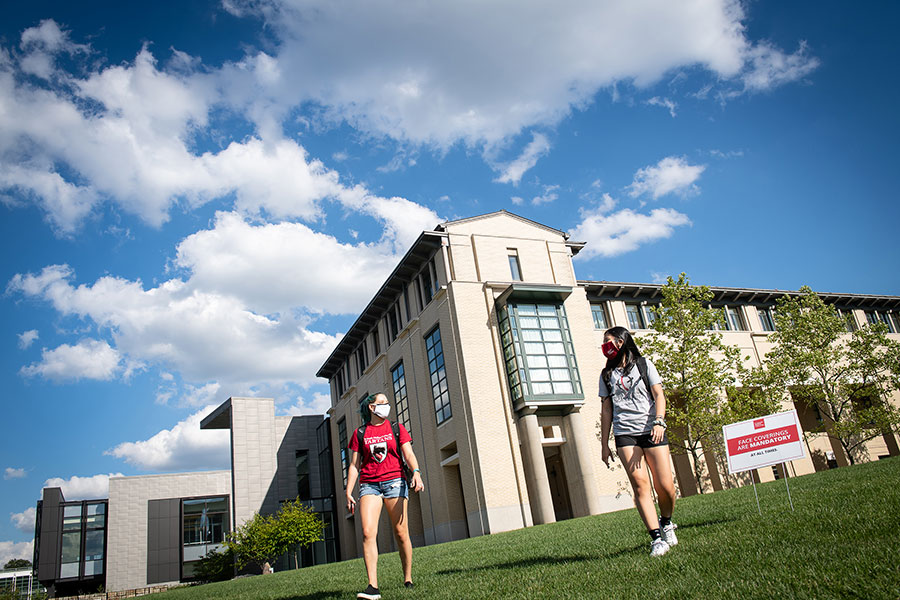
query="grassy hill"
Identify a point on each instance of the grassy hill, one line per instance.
(842, 541)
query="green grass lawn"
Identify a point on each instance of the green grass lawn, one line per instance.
(841, 541)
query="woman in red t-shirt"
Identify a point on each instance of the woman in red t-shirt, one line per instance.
(378, 466)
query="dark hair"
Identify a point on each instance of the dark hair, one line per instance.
(364, 411)
(628, 353)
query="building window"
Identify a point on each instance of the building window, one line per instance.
(409, 314)
(324, 444)
(598, 311)
(342, 441)
(849, 320)
(895, 318)
(376, 342)
(649, 314)
(514, 268)
(428, 282)
(393, 320)
(873, 316)
(439, 391)
(362, 358)
(204, 525)
(734, 319)
(94, 539)
(70, 555)
(766, 318)
(537, 347)
(401, 401)
(301, 464)
(635, 316)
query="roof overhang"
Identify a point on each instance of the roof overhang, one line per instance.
(408, 267)
(220, 418)
(533, 292)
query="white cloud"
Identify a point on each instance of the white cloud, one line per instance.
(202, 395)
(769, 67)
(513, 172)
(83, 488)
(11, 550)
(88, 359)
(24, 521)
(623, 231)
(185, 447)
(671, 175)
(550, 194)
(665, 103)
(517, 200)
(26, 338)
(13, 473)
(319, 404)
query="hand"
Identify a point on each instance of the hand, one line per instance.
(351, 504)
(417, 484)
(657, 433)
(607, 455)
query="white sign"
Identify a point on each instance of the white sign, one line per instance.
(763, 441)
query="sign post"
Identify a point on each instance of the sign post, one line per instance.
(763, 442)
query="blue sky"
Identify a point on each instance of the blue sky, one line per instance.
(197, 201)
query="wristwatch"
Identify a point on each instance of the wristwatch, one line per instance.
(660, 421)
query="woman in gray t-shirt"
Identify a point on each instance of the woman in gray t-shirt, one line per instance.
(634, 407)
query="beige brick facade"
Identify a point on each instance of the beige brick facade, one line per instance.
(499, 464)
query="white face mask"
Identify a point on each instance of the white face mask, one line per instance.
(382, 410)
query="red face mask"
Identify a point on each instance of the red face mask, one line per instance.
(609, 350)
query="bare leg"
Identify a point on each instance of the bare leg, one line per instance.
(660, 466)
(397, 511)
(632, 460)
(370, 511)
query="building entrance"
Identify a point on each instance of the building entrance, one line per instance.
(559, 487)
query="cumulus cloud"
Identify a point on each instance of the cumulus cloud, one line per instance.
(671, 175)
(26, 338)
(513, 172)
(768, 67)
(11, 550)
(88, 359)
(549, 195)
(623, 231)
(316, 406)
(83, 488)
(185, 447)
(24, 521)
(13, 473)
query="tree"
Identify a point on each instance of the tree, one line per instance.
(263, 538)
(17, 563)
(846, 377)
(705, 380)
(215, 566)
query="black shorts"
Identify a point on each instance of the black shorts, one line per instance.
(642, 441)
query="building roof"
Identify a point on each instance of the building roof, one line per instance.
(605, 290)
(443, 226)
(408, 267)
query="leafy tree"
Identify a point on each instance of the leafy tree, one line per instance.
(705, 380)
(215, 566)
(17, 563)
(263, 538)
(846, 377)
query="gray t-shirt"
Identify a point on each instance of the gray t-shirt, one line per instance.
(634, 408)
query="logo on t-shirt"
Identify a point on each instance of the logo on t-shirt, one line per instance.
(379, 451)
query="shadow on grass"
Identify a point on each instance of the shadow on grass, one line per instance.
(705, 523)
(320, 595)
(543, 560)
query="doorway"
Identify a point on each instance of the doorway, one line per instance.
(559, 487)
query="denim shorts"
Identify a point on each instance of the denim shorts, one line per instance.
(392, 488)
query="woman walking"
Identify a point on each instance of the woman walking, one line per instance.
(379, 451)
(634, 405)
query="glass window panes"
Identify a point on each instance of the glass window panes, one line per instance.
(598, 311)
(439, 390)
(766, 318)
(401, 400)
(342, 443)
(514, 269)
(71, 547)
(649, 314)
(635, 316)
(93, 544)
(735, 322)
(301, 463)
(71, 517)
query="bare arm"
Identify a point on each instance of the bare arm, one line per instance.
(352, 476)
(410, 457)
(656, 434)
(605, 426)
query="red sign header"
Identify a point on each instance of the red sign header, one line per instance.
(763, 439)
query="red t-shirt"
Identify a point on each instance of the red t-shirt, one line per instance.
(380, 454)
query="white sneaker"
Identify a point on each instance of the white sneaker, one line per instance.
(668, 533)
(658, 547)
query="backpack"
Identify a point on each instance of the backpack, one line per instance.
(395, 429)
(642, 369)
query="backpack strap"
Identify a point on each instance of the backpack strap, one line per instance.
(642, 369)
(395, 428)
(360, 434)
